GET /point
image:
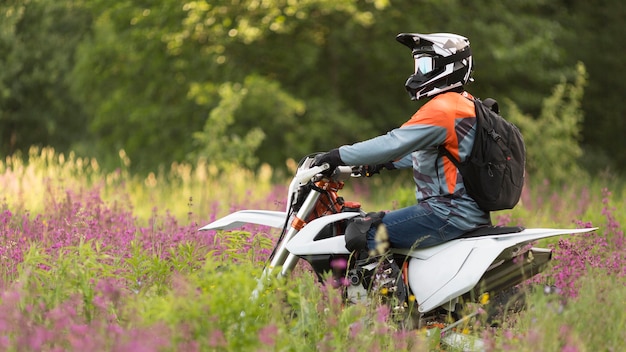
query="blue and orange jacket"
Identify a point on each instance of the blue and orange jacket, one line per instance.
(447, 119)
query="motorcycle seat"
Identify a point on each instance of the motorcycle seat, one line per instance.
(491, 230)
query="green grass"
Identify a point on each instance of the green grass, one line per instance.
(112, 261)
(594, 321)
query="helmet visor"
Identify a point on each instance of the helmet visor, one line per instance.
(424, 63)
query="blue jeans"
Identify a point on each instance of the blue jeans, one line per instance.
(416, 226)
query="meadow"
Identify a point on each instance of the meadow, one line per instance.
(103, 261)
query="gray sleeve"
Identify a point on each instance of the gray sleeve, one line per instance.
(393, 146)
(404, 163)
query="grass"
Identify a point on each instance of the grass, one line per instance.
(113, 261)
(555, 324)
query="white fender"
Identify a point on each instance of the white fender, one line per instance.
(303, 242)
(442, 273)
(237, 219)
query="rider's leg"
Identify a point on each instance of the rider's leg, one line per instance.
(377, 272)
(413, 227)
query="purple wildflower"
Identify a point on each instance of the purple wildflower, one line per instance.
(267, 335)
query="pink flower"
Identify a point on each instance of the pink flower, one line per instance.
(267, 335)
(339, 263)
(217, 339)
(382, 313)
(569, 348)
(355, 329)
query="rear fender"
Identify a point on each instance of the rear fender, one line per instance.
(441, 273)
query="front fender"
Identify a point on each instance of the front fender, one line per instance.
(237, 219)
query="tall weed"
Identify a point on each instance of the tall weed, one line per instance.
(94, 261)
(594, 321)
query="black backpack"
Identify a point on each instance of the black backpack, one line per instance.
(493, 173)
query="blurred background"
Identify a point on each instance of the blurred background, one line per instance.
(263, 81)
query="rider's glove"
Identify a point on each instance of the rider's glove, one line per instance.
(371, 170)
(332, 158)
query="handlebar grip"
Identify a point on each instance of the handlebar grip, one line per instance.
(342, 173)
(344, 169)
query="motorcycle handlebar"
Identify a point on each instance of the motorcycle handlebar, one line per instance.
(342, 173)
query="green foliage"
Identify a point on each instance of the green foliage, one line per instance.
(134, 90)
(210, 304)
(190, 191)
(174, 65)
(335, 77)
(146, 273)
(510, 63)
(213, 307)
(552, 139)
(52, 281)
(590, 322)
(37, 43)
(258, 99)
(150, 78)
(198, 297)
(593, 39)
(28, 179)
(215, 143)
(240, 247)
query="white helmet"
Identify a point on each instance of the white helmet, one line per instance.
(443, 61)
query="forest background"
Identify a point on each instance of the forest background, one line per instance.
(263, 81)
(164, 115)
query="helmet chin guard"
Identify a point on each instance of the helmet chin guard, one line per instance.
(451, 64)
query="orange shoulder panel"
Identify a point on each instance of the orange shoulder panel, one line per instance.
(443, 111)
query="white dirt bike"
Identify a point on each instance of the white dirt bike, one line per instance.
(489, 259)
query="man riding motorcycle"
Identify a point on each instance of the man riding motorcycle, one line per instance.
(444, 211)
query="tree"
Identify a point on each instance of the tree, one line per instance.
(137, 74)
(595, 38)
(150, 77)
(133, 87)
(37, 43)
(553, 139)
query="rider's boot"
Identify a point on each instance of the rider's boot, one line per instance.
(382, 277)
(378, 273)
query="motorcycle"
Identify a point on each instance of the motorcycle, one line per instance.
(489, 259)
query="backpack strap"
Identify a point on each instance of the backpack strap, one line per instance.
(444, 152)
(490, 103)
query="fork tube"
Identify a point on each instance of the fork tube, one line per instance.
(289, 264)
(282, 257)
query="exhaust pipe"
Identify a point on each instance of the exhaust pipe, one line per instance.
(505, 274)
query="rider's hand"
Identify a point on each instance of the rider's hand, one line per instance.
(371, 170)
(332, 158)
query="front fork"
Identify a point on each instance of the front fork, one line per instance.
(282, 258)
